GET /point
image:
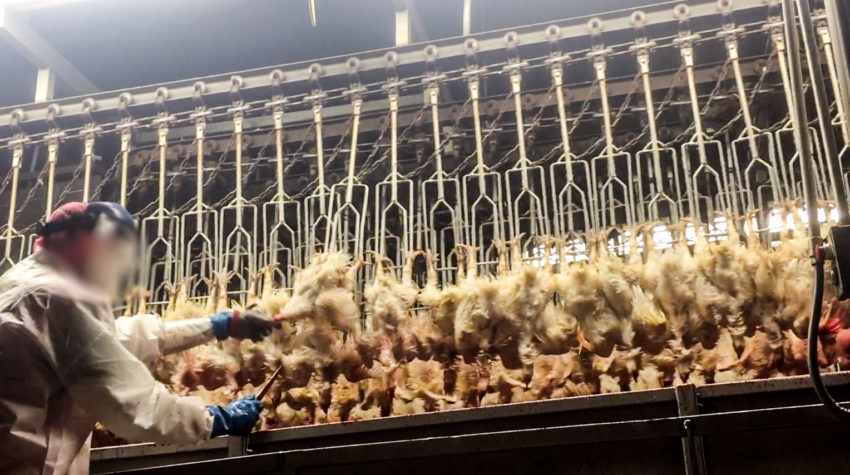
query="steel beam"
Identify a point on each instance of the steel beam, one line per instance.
(299, 122)
(15, 31)
(692, 447)
(45, 85)
(297, 73)
(836, 17)
(467, 17)
(408, 25)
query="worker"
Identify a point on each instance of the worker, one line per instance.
(66, 363)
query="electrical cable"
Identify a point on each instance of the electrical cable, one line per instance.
(802, 141)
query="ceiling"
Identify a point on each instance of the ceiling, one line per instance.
(119, 44)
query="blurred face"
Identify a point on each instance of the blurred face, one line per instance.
(112, 260)
(110, 265)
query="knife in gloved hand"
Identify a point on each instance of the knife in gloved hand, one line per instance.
(271, 380)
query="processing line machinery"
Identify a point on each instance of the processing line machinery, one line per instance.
(560, 129)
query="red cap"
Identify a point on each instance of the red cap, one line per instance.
(73, 247)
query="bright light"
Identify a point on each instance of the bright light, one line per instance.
(21, 5)
(662, 237)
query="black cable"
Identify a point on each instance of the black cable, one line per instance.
(814, 326)
(801, 137)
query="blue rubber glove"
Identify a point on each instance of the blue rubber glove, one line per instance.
(250, 325)
(221, 324)
(236, 418)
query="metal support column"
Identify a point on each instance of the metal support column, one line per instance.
(837, 12)
(694, 452)
(45, 84)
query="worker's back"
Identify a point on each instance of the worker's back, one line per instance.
(42, 430)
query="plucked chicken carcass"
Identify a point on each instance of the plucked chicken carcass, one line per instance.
(523, 294)
(794, 287)
(345, 395)
(420, 387)
(469, 383)
(722, 312)
(389, 302)
(440, 308)
(478, 310)
(323, 292)
(683, 294)
(505, 385)
(582, 288)
(550, 375)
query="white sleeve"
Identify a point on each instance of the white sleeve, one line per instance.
(149, 336)
(104, 378)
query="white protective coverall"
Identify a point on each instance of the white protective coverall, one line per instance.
(65, 363)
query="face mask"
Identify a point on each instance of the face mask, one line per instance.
(112, 263)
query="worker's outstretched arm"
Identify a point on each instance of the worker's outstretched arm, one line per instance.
(149, 336)
(111, 384)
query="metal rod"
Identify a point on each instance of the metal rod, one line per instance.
(200, 126)
(126, 136)
(643, 64)
(320, 158)
(828, 53)
(558, 80)
(88, 153)
(451, 49)
(433, 96)
(642, 48)
(163, 164)
(836, 11)
(17, 154)
(778, 38)
(801, 136)
(52, 150)
(357, 107)
(393, 98)
(237, 134)
(750, 133)
(688, 56)
(516, 79)
(278, 159)
(822, 107)
(479, 141)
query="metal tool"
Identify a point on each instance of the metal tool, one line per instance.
(786, 149)
(840, 114)
(394, 201)
(199, 238)
(658, 186)
(761, 184)
(281, 215)
(706, 175)
(125, 129)
(528, 214)
(238, 219)
(611, 171)
(316, 216)
(269, 383)
(569, 177)
(350, 198)
(14, 242)
(54, 137)
(159, 232)
(482, 192)
(441, 213)
(89, 132)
